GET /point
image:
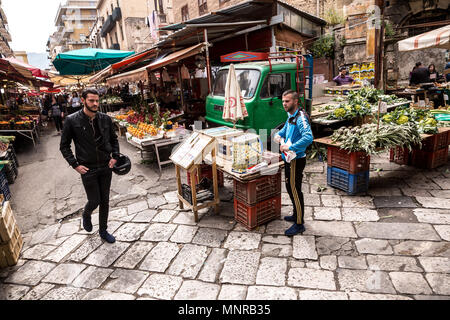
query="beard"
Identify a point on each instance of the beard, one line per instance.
(87, 107)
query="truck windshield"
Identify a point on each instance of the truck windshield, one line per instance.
(247, 78)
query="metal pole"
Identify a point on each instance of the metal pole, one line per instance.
(180, 79)
(208, 66)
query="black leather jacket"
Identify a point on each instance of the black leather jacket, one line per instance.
(90, 152)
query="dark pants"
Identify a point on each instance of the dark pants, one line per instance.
(97, 183)
(293, 172)
(58, 122)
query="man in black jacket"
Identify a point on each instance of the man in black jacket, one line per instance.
(96, 149)
(419, 75)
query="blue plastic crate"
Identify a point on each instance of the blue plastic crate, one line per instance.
(350, 183)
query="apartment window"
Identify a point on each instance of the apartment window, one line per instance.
(184, 13)
(202, 7)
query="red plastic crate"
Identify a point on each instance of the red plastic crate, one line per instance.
(259, 214)
(436, 142)
(206, 171)
(255, 191)
(429, 160)
(353, 162)
(400, 155)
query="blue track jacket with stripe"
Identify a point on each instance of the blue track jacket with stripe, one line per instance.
(299, 133)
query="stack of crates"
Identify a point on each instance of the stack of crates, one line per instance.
(258, 201)
(4, 186)
(11, 241)
(434, 151)
(10, 170)
(348, 171)
(400, 155)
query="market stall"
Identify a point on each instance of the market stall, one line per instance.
(412, 135)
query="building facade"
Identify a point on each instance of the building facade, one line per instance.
(73, 23)
(5, 36)
(129, 25)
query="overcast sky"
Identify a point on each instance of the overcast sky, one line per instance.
(30, 23)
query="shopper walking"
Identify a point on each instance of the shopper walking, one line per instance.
(74, 103)
(97, 151)
(294, 138)
(57, 114)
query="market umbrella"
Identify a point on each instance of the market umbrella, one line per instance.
(88, 60)
(438, 38)
(36, 72)
(234, 108)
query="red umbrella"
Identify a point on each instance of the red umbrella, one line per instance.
(34, 70)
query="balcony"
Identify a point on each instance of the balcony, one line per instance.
(66, 31)
(116, 14)
(79, 18)
(107, 26)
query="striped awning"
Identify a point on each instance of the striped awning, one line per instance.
(438, 38)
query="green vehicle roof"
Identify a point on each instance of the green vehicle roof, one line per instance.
(263, 65)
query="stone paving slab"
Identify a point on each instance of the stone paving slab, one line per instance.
(240, 267)
(64, 273)
(92, 277)
(160, 257)
(408, 231)
(160, 286)
(311, 278)
(197, 290)
(365, 281)
(188, 261)
(271, 293)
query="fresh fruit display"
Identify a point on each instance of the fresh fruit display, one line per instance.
(366, 138)
(134, 118)
(111, 100)
(135, 132)
(148, 128)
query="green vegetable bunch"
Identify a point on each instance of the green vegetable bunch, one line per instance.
(367, 139)
(423, 118)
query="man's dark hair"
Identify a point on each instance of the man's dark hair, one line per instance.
(89, 91)
(342, 68)
(294, 94)
(418, 64)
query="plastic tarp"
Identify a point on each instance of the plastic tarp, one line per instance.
(438, 38)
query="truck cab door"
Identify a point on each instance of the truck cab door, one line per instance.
(270, 112)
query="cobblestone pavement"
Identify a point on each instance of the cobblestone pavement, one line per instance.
(393, 243)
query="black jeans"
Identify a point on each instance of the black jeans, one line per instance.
(97, 183)
(293, 172)
(58, 122)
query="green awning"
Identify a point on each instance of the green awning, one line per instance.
(87, 61)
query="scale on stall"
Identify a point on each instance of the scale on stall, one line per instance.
(189, 155)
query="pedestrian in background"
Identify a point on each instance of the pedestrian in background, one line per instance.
(97, 151)
(75, 103)
(294, 138)
(57, 114)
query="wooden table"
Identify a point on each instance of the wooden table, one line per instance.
(145, 145)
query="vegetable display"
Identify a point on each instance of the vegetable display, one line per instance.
(366, 138)
(423, 118)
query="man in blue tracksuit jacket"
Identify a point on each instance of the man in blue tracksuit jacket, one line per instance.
(296, 133)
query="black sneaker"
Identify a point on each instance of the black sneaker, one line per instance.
(107, 237)
(87, 224)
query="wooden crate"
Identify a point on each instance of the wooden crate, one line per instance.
(10, 251)
(7, 222)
